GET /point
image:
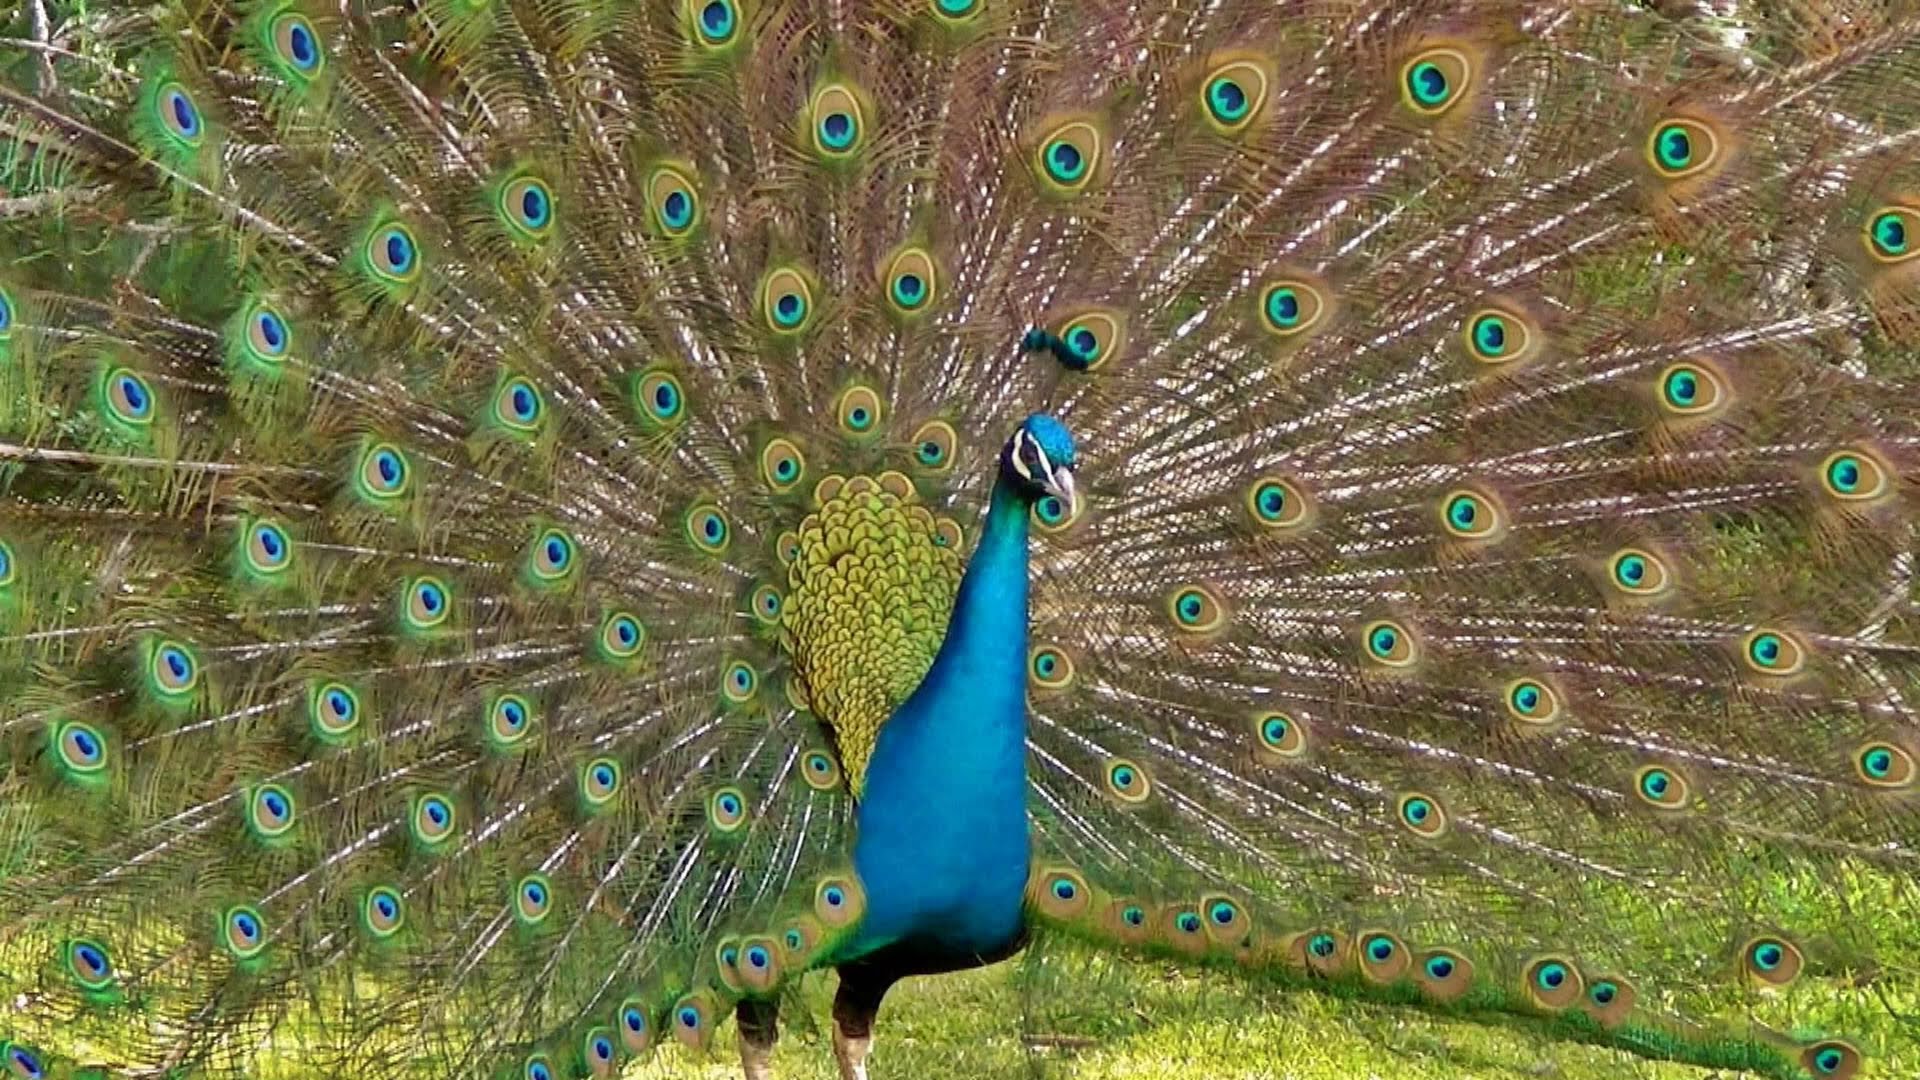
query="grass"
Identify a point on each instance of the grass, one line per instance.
(1071, 1014)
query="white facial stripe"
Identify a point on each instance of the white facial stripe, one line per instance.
(1020, 439)
(1046, 466)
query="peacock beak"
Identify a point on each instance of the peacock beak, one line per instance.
(1059, 484)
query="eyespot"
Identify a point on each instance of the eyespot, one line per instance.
(9, 566)
(532, 899)
(739, 682)
(1679, 147)
(1498, 337)
(1772, 961)
(1609, 1000)
(1434, 81)
(509, 720)
(858, 411)
(596, 1049)
(1443, 974)
(1060, 892)
(1049, 668)
(1280, 735)
(716, 23)
(1638, 572)
(1127, 781)
(1093, 338)
(599, 781)
(1422, 814)
(425, 602)
(537, 1067)
(1051, 516)
(1291, 307)
(912, 281)
(1884, 765)
(1067, 156)
(1470, 515)
(692, 1018)
(383, 474)
(1831, 1059)
(21, 1062)
(333, 711)
(1389, 643)
(727, 809)
(6, 314)
(636, 1030)
(518, 406)
(707, 529)
(673, 200)
(1854, 476)
(933, 446)
(838, 902)
(297, 45)
(658, 399)
(1184, 929)
(766, 605)
(786, 301)
(526, 205)
(1690, 389)
(1892, 234)
(1321, 951)
(620, 636)
(270, 811)
(1226, 922)
(820, 771)
(265, 548)
(1383, 957)
(172, 669)
(787, 547)
(1533, 703)
(268, 338)
(81, 749)
(432, 820)
(797, 941)
(839, 122)
(1661, 787)
(393, 253)
(128, 398)
(1277, 503)
(1553, 983)
(243, 931)
(90, 964)
(383, 912)
(759, 964)
(947, 534)
(552, 558)
(179, 116)
(1234, 94)
(1196, 610)
(1126, 919)
(1773, 652)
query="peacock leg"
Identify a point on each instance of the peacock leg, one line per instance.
(855, 1004)
(759, 1023)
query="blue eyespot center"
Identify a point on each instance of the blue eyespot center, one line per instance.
(716, 19)
(1890, 234)
(1227, 100)
(1321, 945)
(300, 47)
(1065, 162)
(1552, 976)
(1427, 83)
(678, 209)
(186, 118)
(1440, 967)
(837, 130)
(1674, 146)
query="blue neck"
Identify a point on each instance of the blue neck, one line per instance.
(990, 613)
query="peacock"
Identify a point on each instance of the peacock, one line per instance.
(529, 526)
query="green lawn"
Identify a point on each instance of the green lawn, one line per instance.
(1155, 1021)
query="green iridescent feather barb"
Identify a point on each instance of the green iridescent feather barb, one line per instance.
(529, 526)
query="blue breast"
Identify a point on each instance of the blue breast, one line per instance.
(942, 848)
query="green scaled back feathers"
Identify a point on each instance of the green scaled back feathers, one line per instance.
(477, 475)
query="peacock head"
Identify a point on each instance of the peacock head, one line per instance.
(1039, 460)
